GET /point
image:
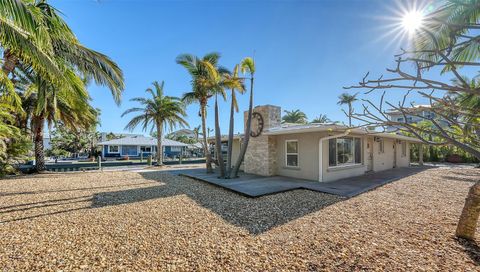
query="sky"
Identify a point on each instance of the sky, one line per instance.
(305, 51)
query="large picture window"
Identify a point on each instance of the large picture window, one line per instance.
(344, 151)
(291, 157)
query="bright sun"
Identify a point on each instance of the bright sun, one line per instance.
(412, 21)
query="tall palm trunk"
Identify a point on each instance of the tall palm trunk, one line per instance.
(208, 156)
(246, 137)
(470, 213)
(159, 143)
(10, 62)
(350, 114)
(37, 124)
(218, 142)
(230, 137)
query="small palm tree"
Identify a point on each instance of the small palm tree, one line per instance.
(322, 118)
(348, 99)
(295, 116)
(159, 112)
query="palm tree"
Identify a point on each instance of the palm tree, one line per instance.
(246, 66)
(32, 33)
(322, 118)
(295, 117)
(159, 112)
(25, 33)
(45, 103)
(197, 133)
(348, 99)
(204, 74)
(77, 65)
(238, 86)
(225, 80)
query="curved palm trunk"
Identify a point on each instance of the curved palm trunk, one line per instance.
(208, 156)
(246, 137)
(38, 123)
(159, 144)
(470, 213)
(230, 138)
(10, 62)
(218, 142)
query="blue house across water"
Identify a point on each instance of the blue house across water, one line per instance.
(135, 146)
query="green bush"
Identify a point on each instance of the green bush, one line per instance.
(13, 151)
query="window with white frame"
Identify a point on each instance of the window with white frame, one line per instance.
(113, 149)
(404, 148)
(344, 151)
(146, 149)
(291, 153)
(381, 146)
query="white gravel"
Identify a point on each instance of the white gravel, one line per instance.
(154, 221)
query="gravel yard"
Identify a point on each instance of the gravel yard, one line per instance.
(156, 221)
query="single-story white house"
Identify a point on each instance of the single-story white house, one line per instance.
(321, 152)
(136, 146)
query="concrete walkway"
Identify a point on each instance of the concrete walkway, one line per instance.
(255, 186)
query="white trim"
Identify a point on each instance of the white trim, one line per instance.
(118, 149)
(286, 154)
(320, 152)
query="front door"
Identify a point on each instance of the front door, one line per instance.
(370, 154)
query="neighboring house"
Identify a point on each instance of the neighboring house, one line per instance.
(183, 132)
(237, 143)
(195, 150)
(136, 146)
(321, 152)
(417, 114)
(104, 136)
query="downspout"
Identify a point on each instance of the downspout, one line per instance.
(320, 152)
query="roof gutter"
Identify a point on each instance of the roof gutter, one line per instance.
(320, 151)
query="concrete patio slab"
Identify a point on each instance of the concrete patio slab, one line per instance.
(255, 186)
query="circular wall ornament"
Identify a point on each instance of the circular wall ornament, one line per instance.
(257, 124)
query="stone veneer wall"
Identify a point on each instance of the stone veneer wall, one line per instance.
(261, 156)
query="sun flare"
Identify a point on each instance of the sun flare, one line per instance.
(412, 21)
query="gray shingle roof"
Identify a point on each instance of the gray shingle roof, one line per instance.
(141, 140)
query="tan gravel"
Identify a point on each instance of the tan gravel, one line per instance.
(155, 221)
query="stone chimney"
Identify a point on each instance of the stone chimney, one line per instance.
(261, 156)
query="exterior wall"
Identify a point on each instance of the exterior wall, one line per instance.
(383, 161)
(260, 157)
(236, 151)
(145, 154)
(308, 166)
(403, 161)
(308, 158)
